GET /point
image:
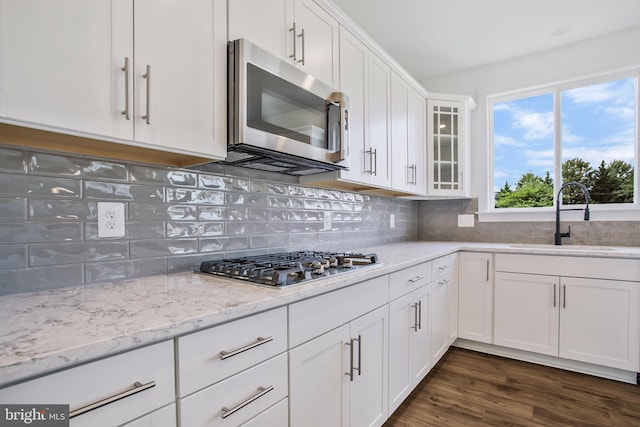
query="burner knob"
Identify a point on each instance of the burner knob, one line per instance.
(325, 263)
(317, 267)
(347, 263)
(333, 262)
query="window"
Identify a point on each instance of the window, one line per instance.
(585, 133)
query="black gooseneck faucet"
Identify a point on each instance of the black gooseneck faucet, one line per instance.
(559, 235)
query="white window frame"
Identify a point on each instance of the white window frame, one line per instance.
(600, 212)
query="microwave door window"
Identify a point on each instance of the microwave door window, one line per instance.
(281, 108)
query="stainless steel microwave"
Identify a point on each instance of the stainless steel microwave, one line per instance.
(282, 119)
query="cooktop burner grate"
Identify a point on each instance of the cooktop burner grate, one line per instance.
(288, 268)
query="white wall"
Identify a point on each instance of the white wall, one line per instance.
(615, 52)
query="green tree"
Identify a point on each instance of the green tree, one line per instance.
(530, 191)
(576, 170)
(613, 183)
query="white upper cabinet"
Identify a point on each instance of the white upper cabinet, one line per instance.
(60, 64)
(69, 66)
(299, 31)
(408, 159)
(448, 145)
(184, 64)
(366, 80)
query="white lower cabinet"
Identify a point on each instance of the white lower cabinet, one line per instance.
(593, 320)
(339, 378)
(409, 338)
(475, 296)
(136, 383)
(239, 398)
(163, 417)
(232, 373)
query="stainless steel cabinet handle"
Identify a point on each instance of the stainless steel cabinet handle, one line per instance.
(554, 295)
(261, 392)
(443, 282)
(147, 75)
(259, 341)
(487, 270)
(415, 316)
(416, 279)
(374, 155)
(351, 368)
(125, 112)
(137, 387)
(301, 61)
(359, 368)
(564, 296)
(443, 267)
(293, 31)
(420, 314)
(415, 174)
(370, 153)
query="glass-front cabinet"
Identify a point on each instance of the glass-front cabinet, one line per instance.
(448, 145)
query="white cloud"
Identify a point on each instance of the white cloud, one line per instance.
(592, 94)
(535, 124)
(596, 155)
(502, 140)
(540, 158)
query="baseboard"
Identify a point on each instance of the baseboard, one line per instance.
(554, 362)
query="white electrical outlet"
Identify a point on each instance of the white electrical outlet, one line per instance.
(110, 219)
(327, 221)
(466, 221)
(392, 221)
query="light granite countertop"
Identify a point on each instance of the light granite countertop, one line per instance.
(46, 331)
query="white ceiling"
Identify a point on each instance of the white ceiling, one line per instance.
(434, 37)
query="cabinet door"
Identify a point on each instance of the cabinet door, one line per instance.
(180, 103)
(599, 322)
(452, 297)
(526, 312)
(263, 23)
(401, 171)
(439, 311)
(475, 296)
(60, 64)
(353, 65)
(402, 320)
(417, 143)
(319, 386)
(276, 416)
(368, 392)
(445, 141)
(378, 97)
(421, 344)
(317, 41)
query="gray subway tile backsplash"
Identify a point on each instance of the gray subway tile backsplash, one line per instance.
(175, 218)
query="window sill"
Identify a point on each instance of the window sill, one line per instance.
(598, 213)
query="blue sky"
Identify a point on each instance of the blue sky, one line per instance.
(598, 123)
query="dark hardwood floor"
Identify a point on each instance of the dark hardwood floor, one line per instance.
(468, 388)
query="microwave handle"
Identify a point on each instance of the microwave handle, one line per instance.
(338, 99)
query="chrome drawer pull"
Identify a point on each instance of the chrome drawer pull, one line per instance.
(416, 279)
(444, 267)
(147, 75)
(443, 282)
(125, 112)
(137, 387)
(259, 341)
(261, 392)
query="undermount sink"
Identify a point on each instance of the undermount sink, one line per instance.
(564, 247)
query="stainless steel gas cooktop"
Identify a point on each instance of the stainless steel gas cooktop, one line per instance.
(289, 268)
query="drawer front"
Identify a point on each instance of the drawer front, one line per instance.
(163, 417)
(315, 316)
(238, 398)
(409, 279)
(276, 416)
(441, 267)
(211, 355)
(151, 367)
(589, 267)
